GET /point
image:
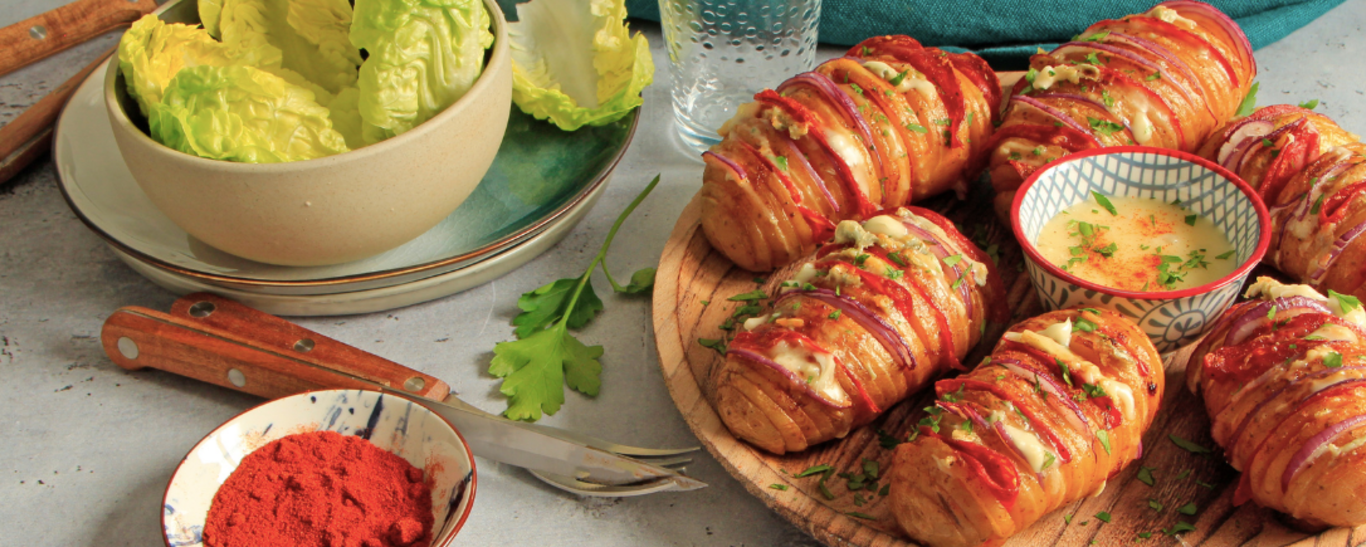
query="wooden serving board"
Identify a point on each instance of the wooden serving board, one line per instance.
(690, 302)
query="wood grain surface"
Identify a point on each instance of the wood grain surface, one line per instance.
(50, 32)
(690, 302)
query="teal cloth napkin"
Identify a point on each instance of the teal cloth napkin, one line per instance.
(1007, 32)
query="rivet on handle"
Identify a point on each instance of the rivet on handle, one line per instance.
(415, 384)
(237, 378)
(202, 309)
(304, 345)
(37, 32)
(128, 348)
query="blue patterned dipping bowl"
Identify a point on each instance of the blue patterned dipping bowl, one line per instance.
(1172, 319)
(391, 423)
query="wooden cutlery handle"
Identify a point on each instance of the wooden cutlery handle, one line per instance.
(219, 341)
(47, 33)
(29, 134)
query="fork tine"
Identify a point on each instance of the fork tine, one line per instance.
(570, 484)
(670, 462)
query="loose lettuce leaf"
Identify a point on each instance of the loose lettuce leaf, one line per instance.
(241, 113)
(346, 116)
(423, 55)
(311, 34)
(153, 51)
(575, 62)
(209, 13)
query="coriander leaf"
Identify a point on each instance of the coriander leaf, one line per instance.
(1332, 360)
(1104, 437)
(813, 470)
(1225, 256)
(716, 344)
(1249, 103)
(546, 305)
(535, 368)
(1103, 516)
(916, 127)
(1345, 301)
(1179, 528)
(1189, 446)
(756, 294)
(780, 487)
(1187, 509)
(1311, 104)
(896, 80)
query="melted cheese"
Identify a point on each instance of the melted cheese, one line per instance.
(754, 322)
(1334, 332)
(851, 232)
(1046, 77)
(1270, 289)
(848, 149)
(978, 269)
(1120, 393)
(1060, 332)
(1029, 445)
(781, 121)
(804, 275)
(1171, 16)
(1141, 128)
(1087, 371)
(885, 225)
(817, 369)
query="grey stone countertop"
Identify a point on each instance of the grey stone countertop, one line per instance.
(88, 448)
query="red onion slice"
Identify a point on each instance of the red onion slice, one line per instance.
(1074, 97)
(1157, 51)
(1247, 418)
(1245, 132)
(884, 332)
(1256, 316)
(1225, 23)
(1302, 458)
(968, 412)
(1273, 136)
(1048, 383)
(826, 88)
(1336, 251)
(1113, 50)
(937, 247)
(759, 358)
(735, 168)
(798, 159)
(1052, 112)
(1207, 342)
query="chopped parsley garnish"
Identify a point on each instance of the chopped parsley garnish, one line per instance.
(1271, 313)
(1105, 202)
(1332, 360)
(1066, 373)
(1145, 535)
(912, 126)
(1318, 204)
(1096, 37)
(857, 89)
(780, 161)
(1094, 390)
(1109, 101)
(1310, 104)
(821, 468)
(1348, 303)
(893, 273)
(776, 486)
(1038, 150)
(834, 314)
(860, 259)
(1104, 437)
(1103, 516)
(887, 441)
(1190, 219)
(1047, 463)
(1226, 255)
(1154, 76)
(1184, 474)
(944, 121)
(1093, 58)
(1179, 528)
(1083, 324)
(718, 345)
(1187, 445)
(1249, 103)
(756, 294)
(1155, 505)
(897, 258)
(896, 80)
(1187, 509)
(953, 259)
(1105, 128)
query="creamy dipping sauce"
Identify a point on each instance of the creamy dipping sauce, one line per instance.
(1144, 245)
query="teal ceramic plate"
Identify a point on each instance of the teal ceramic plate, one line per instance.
(541, 178)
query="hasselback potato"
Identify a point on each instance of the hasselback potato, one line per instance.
(1058, 408)
(891, 304)
(888, 123)
(1311, 176)
(1167, 78)
(1284, 382)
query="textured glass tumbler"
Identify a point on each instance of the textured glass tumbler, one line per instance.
(722, 52)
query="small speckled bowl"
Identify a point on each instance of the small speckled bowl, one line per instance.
(1170, 318)
(397, 425)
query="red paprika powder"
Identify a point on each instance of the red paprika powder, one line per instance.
(321, 489)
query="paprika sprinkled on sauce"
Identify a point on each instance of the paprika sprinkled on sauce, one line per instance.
(1137, 244)
(321, 489)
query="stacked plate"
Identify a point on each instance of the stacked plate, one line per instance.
(542, 183)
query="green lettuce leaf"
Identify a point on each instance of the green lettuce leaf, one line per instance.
(311, 34)
(575, 62)
(209, 13)
(241, 113)
(423, 55)
(153, 51)
(346, 116)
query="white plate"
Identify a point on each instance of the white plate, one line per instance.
(539, 186)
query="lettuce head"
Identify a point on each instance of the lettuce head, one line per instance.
(241, 113)
(575, 62)
(152, 52)
(423, 55)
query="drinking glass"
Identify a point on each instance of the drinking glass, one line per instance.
(722, 52)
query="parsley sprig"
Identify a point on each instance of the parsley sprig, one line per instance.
(546, 356)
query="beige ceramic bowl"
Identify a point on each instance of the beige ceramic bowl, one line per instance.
(333, 209)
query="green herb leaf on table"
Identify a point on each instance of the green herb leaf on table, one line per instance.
(1189, 446)
(546, 356)
(1249, 103)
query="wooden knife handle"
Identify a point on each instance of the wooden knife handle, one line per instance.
(208, 337)
(47, 33)
(29, 135)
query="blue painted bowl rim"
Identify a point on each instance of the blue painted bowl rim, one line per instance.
(1263, 221)
(469, 455)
